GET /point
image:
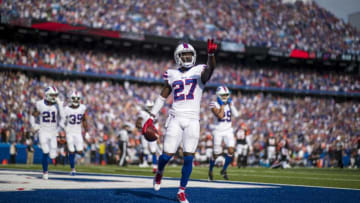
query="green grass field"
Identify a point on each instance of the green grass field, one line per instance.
(341, 178)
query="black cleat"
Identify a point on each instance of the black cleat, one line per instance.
(224, 174)
(211, 177)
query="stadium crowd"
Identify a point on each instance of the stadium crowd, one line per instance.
(270, 23)
(102, 61)
(313, 127)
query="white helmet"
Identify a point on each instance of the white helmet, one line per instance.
(75, 97)
(148, 105)
(185, 48)
(223, 93)
(51, 94)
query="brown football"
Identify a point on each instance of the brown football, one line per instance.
(151, 134)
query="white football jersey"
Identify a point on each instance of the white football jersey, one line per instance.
(73, 119)
(224, 123)
(49, 115)
(187, 89)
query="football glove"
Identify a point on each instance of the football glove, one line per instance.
(212, 46)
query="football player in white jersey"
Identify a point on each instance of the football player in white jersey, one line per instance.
(48, 111)
(186, 83)
(75, 116)
(146, 145)
(224, 111)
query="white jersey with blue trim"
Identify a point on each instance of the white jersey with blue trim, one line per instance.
(49, 115)
(225, 123)
(73, 119)
(187, 89)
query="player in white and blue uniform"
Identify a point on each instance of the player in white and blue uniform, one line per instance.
(75, 116)
(224, 111)
(186, 83)
(48, 112)
(147, 147)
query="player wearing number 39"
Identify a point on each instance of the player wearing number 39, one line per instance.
(75, 116)
(224, 110)
(186, 83)
(48, 111)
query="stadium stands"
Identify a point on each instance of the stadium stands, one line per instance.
(140, 66)
(309, 123)
(269, 23)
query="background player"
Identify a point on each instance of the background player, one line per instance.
(242, 145)
(146, 145)
(182, 126)
(75, 116)
(271, 143)
(223, 110)
(48, 111)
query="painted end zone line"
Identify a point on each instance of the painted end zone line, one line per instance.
(177, 179)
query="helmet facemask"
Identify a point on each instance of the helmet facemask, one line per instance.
(187, 59)
(149, 105)
(75, 101)
(185, 55)
(224, 97)
(51, 94)
(223, 93)
(51, 97)
(75, 98)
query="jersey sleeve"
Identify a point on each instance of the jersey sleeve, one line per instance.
(166, 76)
(37, 106)
(199, 69)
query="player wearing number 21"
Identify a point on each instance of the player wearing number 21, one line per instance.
(186, 83)
(48, 112)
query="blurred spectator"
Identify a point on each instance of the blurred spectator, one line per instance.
(306, 121)
(123, 142)
(339, 152)
(29, 148)
(13, 153)
(144, 67)
(102, 150)
(266, 23)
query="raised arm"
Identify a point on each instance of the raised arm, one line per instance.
(211, 62)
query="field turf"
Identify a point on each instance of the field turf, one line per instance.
(332, 177)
